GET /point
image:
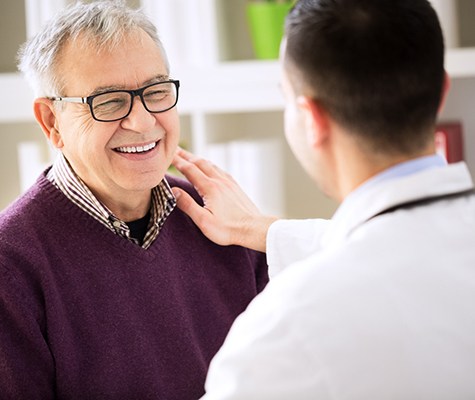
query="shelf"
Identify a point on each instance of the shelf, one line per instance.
(242, 86)
(231, 87)
(238, 86)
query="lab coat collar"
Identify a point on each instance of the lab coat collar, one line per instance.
(362, 205)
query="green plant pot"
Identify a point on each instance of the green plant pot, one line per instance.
(266, 24)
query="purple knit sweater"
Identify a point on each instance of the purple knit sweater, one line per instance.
(86, 314)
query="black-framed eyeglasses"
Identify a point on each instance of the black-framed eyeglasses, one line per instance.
(114, 105)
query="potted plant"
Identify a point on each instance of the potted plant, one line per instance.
(266, 23)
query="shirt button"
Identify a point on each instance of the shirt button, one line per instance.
(116, 224)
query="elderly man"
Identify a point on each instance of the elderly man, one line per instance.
(106, 289)
(376, 303)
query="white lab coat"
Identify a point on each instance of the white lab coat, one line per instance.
(361, 307)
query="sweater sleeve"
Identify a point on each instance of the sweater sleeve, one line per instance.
(26, 364)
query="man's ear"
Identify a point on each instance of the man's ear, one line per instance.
(45, 114)
(316, 120)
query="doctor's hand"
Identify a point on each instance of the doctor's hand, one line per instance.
(228, 216)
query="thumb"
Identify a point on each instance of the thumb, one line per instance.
(199, 215)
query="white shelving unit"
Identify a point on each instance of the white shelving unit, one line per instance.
(225, 97)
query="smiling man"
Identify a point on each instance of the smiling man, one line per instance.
(107, 290)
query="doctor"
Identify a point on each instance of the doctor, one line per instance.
(377, 302)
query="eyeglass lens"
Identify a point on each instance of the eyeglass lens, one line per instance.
(117, 104)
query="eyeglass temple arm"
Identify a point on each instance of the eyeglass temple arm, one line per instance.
(70, 99)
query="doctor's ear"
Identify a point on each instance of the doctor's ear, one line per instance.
(316, 120)
(45, 114)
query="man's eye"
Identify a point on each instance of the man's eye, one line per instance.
(109, 103)
(156, 95)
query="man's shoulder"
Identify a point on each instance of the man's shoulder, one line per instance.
(29, 206)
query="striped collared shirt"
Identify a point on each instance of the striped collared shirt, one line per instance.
(163, 202)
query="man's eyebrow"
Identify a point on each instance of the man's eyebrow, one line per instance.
(158, 78)
(155, 79)
(103, 89)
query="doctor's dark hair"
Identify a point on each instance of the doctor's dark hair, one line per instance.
(102, 25)
(376, 66)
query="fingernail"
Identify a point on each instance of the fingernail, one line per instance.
(176, 193)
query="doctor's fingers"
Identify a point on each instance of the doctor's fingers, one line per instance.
(197, 169)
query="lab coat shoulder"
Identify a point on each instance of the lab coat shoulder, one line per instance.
(290, 241)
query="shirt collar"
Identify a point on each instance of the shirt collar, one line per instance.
(400, 170)
(64, 178)
(407, 181)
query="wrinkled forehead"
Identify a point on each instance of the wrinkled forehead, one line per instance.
(125, 62)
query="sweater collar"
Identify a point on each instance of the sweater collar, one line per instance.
(65, 179)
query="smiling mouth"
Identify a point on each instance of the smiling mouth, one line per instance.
(136, 149)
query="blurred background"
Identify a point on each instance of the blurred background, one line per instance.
(230, 102)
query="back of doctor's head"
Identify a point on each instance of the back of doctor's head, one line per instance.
(100, 24)
(376, 66)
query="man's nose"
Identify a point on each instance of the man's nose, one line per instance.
(139, 118)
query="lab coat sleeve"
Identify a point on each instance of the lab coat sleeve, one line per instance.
(289, 241)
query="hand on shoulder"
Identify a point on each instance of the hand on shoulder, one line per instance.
(228, 216)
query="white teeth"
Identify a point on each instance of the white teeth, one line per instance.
(136, 149)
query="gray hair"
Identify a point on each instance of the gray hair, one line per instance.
(102, 24)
